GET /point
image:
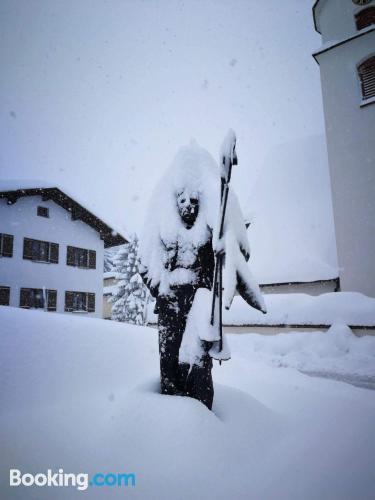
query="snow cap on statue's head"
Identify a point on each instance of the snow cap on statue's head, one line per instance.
(194, 169)
(194, 172)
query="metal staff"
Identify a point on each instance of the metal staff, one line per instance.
(228, 159)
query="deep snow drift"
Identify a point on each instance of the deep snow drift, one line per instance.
(81, 394)
(350, 308)
(336, 354)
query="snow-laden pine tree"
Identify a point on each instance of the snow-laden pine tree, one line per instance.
(130, 295)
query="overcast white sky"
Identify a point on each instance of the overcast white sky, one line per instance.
(96, 96)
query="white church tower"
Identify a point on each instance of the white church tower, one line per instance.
(347, 68)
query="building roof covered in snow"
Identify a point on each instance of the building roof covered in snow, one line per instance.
(292, 231)
(11, 190)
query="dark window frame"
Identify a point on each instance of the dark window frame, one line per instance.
(365, 17)
(366, 75)
(76, 301)
(51, 300)
(4, 295)
(6, 245)
(82, 258)
(42, 211)
(33, 298)
(40, 251)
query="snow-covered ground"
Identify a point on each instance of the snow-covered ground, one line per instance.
(82, 394)
(336, 354)
(351, 308)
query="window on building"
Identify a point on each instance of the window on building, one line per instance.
(366, 72)
(6, 245)
(79, 301)
(40, 251)
(4, 295)
(35, 298)
(80, 257)
(43, 212)
(365, 17)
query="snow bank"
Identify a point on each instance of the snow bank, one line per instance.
(81, 394)
(336, 354)
(350, 308)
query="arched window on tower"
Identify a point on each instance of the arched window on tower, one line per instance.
(365, 17)
(366, 73)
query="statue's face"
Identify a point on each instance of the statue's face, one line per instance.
(188, 207)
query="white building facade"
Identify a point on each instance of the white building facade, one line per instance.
(109, 283)
(347, 68)
(52, 252)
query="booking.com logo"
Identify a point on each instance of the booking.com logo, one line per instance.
(63, 479)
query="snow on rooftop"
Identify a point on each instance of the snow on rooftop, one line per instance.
(109, 274)
(14, 184)
(292, 233)
(19, 184)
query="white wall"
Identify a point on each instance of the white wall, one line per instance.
(350, 132)
(108, 283)
(21, 220)
(336, 19)
(107, 307)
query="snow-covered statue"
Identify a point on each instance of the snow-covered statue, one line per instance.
(182, 246)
